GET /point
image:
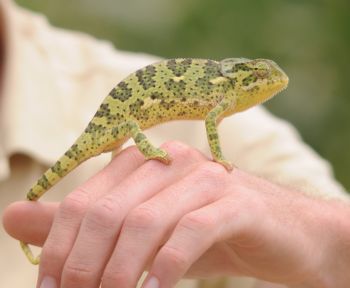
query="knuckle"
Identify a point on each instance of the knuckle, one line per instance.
(104, 214)
(212, 173)
(52, 255)
(212, 169)
(76, 273)
(211, 180)
(338, 223)
(116, 278)
(181, 150)
(133, 153)
(174, 144)
(143, 218)
(75, 203)
(197, 222)
(173, 257)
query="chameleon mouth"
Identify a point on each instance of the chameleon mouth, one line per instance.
(280, 86)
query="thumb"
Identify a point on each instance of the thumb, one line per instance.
(28, 221)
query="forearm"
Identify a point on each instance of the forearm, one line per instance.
(309, 237)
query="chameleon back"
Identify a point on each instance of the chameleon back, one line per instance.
(168, 90)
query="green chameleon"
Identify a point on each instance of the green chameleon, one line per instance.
(175, 89)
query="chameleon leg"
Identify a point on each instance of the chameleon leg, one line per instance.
(213, 117)
(143, 144)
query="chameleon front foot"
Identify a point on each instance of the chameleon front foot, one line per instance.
(228, 165)
(29, 254)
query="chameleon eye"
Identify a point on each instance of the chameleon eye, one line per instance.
(261, 70)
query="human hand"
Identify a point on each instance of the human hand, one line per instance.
(189, 219)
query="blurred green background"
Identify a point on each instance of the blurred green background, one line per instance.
(310, 39)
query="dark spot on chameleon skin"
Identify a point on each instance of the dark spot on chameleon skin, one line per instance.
(213, 136)
(93, 128)
(121, 92)
(44, 182)
(58, 169)
(204, 85)
(248, 80)
(31, 195)
(145, 76)
(178, 66)
(156, 95)
(96, 131)
(114, 118)
(240, 67)
(72, 153)
(137, 112)
(139, 137)
(211, 71)
(177, 87)
(167, 105)
(103, 111)
(115, 132)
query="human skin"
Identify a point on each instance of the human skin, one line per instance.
(190, 219)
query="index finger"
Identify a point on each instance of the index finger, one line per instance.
(29, 221)
(73, 207)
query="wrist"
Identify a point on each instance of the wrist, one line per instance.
(331, 235)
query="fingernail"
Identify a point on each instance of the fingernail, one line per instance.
(152, 282)
(48, 282)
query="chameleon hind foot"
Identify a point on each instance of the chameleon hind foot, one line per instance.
(29, 254)
(145, 146)
(159, 154)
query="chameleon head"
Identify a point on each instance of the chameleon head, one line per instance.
(254, 81)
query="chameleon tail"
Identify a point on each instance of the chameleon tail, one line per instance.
(62, 167)
(49, 178)
(70, 160)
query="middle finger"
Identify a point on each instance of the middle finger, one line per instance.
(147, 227)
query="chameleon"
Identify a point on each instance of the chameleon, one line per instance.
(174, 89)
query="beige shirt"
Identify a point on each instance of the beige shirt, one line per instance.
(53, 83)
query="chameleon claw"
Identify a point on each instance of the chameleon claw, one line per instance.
(160, 155)
(165, 160)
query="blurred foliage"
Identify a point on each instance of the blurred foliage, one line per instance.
(310, 39)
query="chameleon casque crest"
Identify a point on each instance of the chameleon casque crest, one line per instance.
(176, 89)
